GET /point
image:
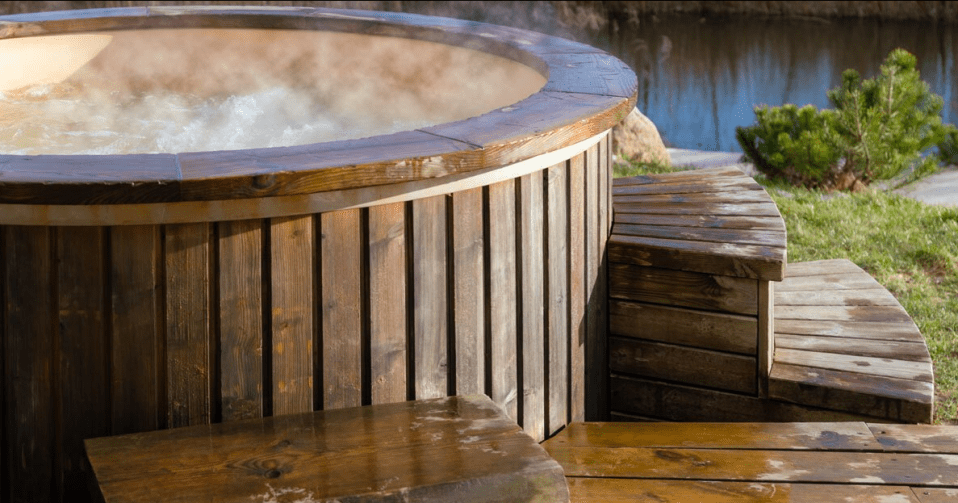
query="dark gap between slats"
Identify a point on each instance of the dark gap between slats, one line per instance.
(266, 318)
(520, 367)
(364, 311)
(487, 285)
(317, 288)
(547, 259)
(410, 306)
(451, 382)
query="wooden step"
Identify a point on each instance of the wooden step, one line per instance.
(843, 342)
(725, 462)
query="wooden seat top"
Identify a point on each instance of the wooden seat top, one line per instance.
(714, 220)
(842, 340)
(724, 462)
(448, 449)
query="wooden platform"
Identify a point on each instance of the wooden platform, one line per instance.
(843, 342)
(723, 462)
(448, 449)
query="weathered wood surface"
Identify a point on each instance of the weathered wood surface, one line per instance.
(843, 342)
(684, 289)
(532, 304)
(692, 366)
(448, 449)
(677, 462)
(688, 327)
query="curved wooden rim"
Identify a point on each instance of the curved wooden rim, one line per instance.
(588, 91)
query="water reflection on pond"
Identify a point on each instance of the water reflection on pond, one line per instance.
(700, 78)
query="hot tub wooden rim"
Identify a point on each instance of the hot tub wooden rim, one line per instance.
(587, 92)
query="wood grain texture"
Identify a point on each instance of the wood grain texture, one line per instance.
(84, 365)
(138, 334)
(577, 288)
(341, 265)
(889, 331)
(387, 303)
(683, 289)
(556, 303)
(596, 367)
(241, 319)
(469, 295)
(766, 333)
(712, 209)
(704, 221)
(188, 335)
(502, 296)
(532, 348)
(292, 243)
(692, 366)
(430, 302)
(910, 351)
(738, 260)
(901, 369)
(688, 327)
(916, 438)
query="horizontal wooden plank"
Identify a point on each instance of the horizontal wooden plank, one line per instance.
(705, 185)
(843, 281)
(823, 268)
(900, 400)
(691, 174)
(611, 490)
(845, 436)
(731, 195)
(751, 209)
(744, 261)
(887, 367)
(884, 314)
(890, 331)
(858, 297)
(687, 327)
(736, 236)
(760, 465)
(698, 367)
(717, 222)
(916, 438)
(682, 288)
(912, 351)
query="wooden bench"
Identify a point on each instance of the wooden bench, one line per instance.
(448, 449)
(715, 462)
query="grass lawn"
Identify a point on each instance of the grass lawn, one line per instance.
(909, 247)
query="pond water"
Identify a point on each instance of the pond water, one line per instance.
(699, 78)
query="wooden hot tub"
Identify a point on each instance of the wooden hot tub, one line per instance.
(149, 291)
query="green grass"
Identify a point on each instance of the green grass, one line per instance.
(909, 247)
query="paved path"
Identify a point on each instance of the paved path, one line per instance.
(940, 188)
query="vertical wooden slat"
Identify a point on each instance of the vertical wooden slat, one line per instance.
(468, 288)
(4, 441)
(187, 325)
(766, 333)
(602, 315)
(387, 303)
(429, 297)
(341, 265)
(31, 363)
(595, 372)
(501, 297)
(241, 318)
(532, 345)
(136, 343)
(291, 269)
(557, 296)
(577, 287)
(84, 364)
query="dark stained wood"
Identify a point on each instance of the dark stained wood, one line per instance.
(449, 449)
(916, 438)
(241, 318)
(556, 302)
(739, 236)
(84, 351)
(502, 296)
(683, 289)
(188, 335)
(704, 221)
(740, 260)
(911, 351)
(577, 288)
(702, 329)
(30, 350)
(469, 296)
(387, 303)
(341, 265)
(766, 333)
(596, 367)
(137, 336)
(601, 291)
(533, 343)
(429, 297)
(698, 367)
(292, 242)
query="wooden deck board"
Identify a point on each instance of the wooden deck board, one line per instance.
(678, 462)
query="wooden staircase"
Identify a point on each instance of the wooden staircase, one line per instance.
(707, 323)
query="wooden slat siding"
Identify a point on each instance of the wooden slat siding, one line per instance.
(532, 253)
(766, 333)
(138, 333)
(557, 301)
(430, 301)
(596, 361)
(468, 296)
(502, 296)
(688, 327)
(904, 400)
(32, 354)
(387, 302)
(916, 438)
(684, 289)
(84, 363)
(704, 221)
(291, 268)
(693, 366)
(577, 289)
(737, 260)
(341, 264)
(602, 282)
(240, 314)
(188, 344)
